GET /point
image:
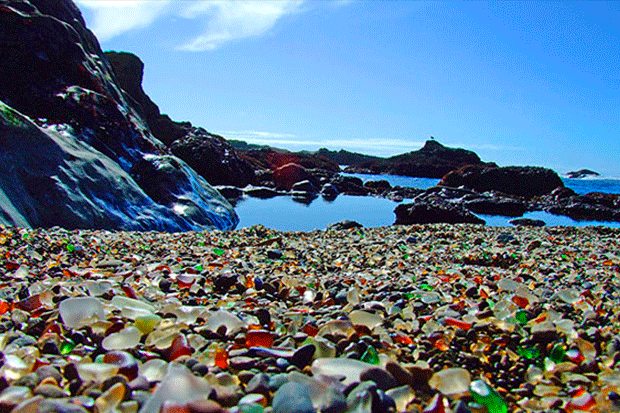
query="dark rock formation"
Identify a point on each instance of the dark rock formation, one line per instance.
(343, 157)
(349, 185)
(497, 206)
(527, 222)
(579, 210)
(329, 192)
(523, 181)
(75, 151)
(287, 175)
(213, 158)
(582, 173)
(432, 211)
(432, 161)
(344, 225)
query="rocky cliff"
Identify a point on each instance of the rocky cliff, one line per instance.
(76, 152)
(432, 161)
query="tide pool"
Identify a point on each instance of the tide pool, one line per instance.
(283, 214)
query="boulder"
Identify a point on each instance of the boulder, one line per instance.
(76, 150)
(329, 192)
(262, 192)
(434, 211)
(349, 185)
(288, 175)
(527, 222)
(523, 181)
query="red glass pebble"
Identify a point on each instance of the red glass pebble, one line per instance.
(520, 301)
(258, 338)
(402, 339)
(129, 292)
(221, 358)
(179, 347)
(310, 329)
(127, 364)
(458, 323)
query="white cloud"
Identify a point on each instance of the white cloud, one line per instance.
(112, 18)
(234, 20)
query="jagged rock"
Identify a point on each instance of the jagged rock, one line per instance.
(73, 146)
(434, 211)
(432, 161)
(524, 181)
(129, 71)
(213, 158)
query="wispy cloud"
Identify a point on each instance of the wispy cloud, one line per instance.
(224, 20)
(234, 20)
(111, 18)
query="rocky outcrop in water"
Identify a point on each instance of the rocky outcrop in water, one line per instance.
(582, 173)
(522, 181)
(432, 161)
(76, 152)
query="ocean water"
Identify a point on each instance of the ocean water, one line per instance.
(283, 214)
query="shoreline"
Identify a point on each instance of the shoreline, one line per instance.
(430, 308)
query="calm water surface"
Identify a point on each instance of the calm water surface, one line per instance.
(283, 214)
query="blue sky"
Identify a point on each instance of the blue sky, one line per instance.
(519, 83)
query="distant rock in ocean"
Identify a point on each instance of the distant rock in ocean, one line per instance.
(582, 173)
(432, 161)
(76, 151)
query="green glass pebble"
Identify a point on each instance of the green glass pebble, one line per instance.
(218, 251)
(487, 396)
(370, 356)
(426, 287)
(70, 247)
(521, 316)
(557, 353)
(528, 352)
(67, 346)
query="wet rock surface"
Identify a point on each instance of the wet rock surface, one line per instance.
(403, 318)
(74, 144)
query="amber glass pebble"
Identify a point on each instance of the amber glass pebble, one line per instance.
(258, 338)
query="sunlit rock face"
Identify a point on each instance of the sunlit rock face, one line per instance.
(73, 151)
